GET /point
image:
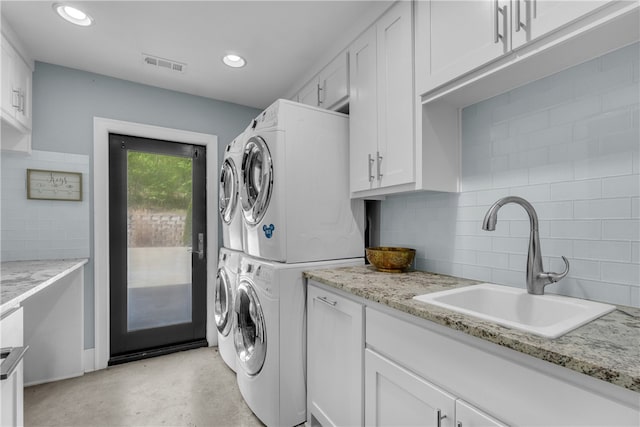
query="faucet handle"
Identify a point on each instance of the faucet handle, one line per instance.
(554, 277)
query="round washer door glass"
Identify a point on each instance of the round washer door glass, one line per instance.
(222, 302)
(250, 336)
(257, 180)
(228, 190)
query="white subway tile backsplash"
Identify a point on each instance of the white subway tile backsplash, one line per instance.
(510, 178)
(476, 273)
(576, 190)
(609, 293)
(493, 259)
(617, 272)
(554, 172)
(578, 109)
(510, 245)
(621, 186)
(602, 250)
(622, 97)
(509, 278)
(602, 208)
(533, 193)
(624, 229)
(604, 166)
(576, 229)
(568, 143)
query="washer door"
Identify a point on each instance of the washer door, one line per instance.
(222, 302)
(228, 190)
(250, 335)
(257, 180)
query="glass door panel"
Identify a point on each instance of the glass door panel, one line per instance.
(159, 198)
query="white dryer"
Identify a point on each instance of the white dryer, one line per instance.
(223, 300)
(295, 186)
(270, 337)
(229, 194)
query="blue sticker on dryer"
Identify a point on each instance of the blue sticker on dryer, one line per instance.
(268, 230)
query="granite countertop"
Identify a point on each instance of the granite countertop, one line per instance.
(607, 348)
(21, 279)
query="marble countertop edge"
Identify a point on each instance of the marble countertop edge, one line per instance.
(17, 300)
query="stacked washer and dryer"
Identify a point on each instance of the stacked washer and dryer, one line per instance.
(287, 176)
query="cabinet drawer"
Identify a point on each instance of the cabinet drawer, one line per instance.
(502, 382)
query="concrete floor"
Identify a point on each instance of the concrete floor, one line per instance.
(189, 388)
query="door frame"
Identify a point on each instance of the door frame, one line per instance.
(101, 129)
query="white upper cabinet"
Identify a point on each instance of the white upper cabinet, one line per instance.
(309, 94)
(333, 82)
(16, 87)
(330, 87)
(363, 112)
(534, 18)
(457, 37)
(381, 103)
(16, 99)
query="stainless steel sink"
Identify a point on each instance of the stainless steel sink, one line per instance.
(548, 316)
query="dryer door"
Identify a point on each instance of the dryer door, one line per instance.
(222, 302)
(257, 180)
(228, 190)
(250, 335)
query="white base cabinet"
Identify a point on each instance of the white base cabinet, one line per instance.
(334, 358)
(503, 386)
(396, 369)
(395, 396)
(11, 388)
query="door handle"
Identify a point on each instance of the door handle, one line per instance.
(200, 250)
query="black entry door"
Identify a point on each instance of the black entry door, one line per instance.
(157, 241)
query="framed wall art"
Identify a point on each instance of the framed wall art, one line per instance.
(54, 185)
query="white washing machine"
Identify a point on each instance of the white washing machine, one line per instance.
(223, 300)
(270, 337)
(229, 194)
(295, 186)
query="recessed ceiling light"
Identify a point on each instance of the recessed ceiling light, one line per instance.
(234, 61)
(72, 14)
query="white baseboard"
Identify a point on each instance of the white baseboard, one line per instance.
(89, 362)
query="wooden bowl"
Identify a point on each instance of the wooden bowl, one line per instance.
(389, 259)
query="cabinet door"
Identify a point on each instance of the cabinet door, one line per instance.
(395, 158)
(11, 389)
(469, 416)
(459, 36)
(363, 111)
(394, 396)
(8, 71)
(334, 82)
(335, 340)
(309, 94)
(23, 84)
(539, 17)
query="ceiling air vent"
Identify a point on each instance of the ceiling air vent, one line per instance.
(167, 64)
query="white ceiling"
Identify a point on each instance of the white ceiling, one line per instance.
(281, 40)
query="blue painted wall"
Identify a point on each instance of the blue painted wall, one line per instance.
(65, 101)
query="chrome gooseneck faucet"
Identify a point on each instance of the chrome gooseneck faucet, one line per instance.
(537, 279)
